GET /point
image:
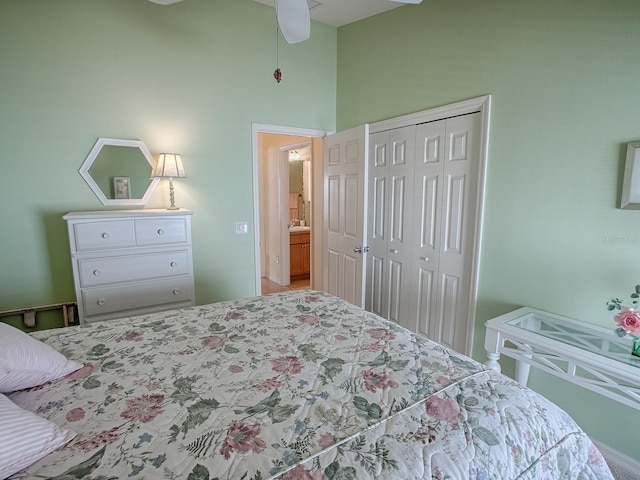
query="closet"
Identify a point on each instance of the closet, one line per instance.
(422, 219)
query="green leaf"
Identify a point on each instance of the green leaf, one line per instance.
(398, 365)
(360, 403)
(216, 327)
(380, 360)
(331, 470)
(281, 413)
(487, 436)
(199, 472)
(199, 412)
(91, 383)
(309, 353)
(471, 402)
(333, 366)
(347, 473)
(374, 412)
(229, 349)
(265, 404)
(183, 389)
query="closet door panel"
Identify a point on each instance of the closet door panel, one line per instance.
(376, 299)
(456, 257)
(427, 218)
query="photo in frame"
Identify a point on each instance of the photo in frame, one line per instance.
(121, 188)
(630, 198)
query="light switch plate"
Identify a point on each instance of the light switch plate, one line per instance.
(242, 228)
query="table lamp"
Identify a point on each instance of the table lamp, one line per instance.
(169, 166)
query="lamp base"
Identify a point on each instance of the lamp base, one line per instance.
(173, 208)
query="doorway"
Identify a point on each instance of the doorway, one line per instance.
(278, 216)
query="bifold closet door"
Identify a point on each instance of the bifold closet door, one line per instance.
(390, 196)
(445, 192)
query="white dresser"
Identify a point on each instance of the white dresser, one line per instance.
(131, 262)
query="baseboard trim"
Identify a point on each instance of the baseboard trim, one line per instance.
(614, 457)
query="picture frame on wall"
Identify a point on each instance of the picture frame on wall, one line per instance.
(121, 188)
(630, 198)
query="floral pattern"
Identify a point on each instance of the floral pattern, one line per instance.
(299, 385)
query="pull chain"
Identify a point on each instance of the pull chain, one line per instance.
(277, 74)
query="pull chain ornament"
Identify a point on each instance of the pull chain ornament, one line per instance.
(277, 74)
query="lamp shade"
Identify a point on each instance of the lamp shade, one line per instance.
(169, 165)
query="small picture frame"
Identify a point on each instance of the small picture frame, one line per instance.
(630, 198)
(121, 188)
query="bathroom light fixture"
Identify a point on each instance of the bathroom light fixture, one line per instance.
(169, 166)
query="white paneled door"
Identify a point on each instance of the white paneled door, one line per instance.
(390, 196)
(345, 164)
(444, 206)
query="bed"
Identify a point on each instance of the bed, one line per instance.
(298, 385)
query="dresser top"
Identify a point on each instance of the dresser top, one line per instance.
(126, 213)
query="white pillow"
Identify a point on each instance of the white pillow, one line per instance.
(26, 437)
(26, 362)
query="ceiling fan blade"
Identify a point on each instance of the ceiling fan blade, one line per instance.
(293, 19)
(165, 2)
(413, 2)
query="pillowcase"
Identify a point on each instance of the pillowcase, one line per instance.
(26, 437)
(26, 362)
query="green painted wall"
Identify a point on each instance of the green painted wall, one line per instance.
(565, 101)
(187, 78)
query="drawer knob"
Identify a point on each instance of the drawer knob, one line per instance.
(176, 292)
(105, 235)
(97, 272)
(101, 302)
(160, 231)
(174, 264)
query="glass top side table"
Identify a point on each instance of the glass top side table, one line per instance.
(588, 355)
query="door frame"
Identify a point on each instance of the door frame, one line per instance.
(480, 104)
(285, 263)
(256, 129)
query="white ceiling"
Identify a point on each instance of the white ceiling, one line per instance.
(342, 12)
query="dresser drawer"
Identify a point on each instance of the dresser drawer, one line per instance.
(129, 268)
(104, 235)
(156, 231)
(128, 297)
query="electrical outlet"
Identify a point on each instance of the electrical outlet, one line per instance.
(242, 228)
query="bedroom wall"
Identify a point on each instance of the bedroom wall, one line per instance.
(564, 83)
(189, 78)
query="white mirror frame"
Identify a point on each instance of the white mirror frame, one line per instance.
(630, 198)
(93, 154)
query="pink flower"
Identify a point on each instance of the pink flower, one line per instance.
(235, 368)
(381, 334)
(341, 338)
(234, 316)
(243, 438)
(447, 410)
(289, 365)
(268, 385)
(629, 320)
(75, 414)
(326, 440)
(103, 438)
(144, 409)
(131, 335)
(214, 341)
(81, 372)
(373, 381)
(308, 319)
(443, 381)
(180, 338)
(299, 473)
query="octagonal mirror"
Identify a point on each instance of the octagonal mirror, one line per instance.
(120, 171)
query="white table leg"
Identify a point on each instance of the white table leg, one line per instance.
(492, 343)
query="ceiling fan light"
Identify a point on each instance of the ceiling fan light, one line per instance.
(294, 20)
(413, 2)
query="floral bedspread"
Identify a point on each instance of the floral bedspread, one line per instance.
(299, 385)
